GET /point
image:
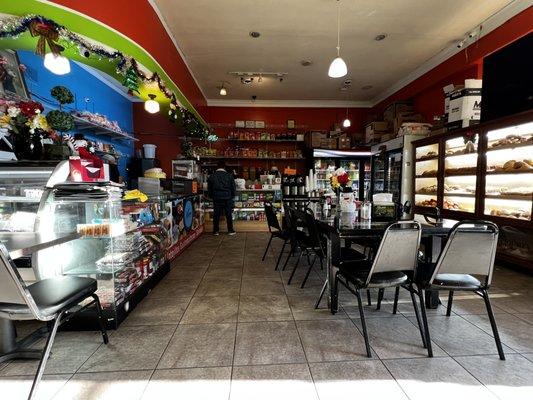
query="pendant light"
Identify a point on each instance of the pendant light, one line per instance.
(338, 68)
(346, 123)
(56, 64)
(151, 105)
(223, 91)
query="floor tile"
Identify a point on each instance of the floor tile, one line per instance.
(18, 387)
(268, 343)
(331, 340)
(267, 307)
(267, 382)
(190, 383)
(255, 286)
(395, 337)
(219, 287)
(210, 309)
(303, 308)
(514, 332)
(223, 273)
(458, 337)
(525, 317)
(131, 348)
(346, 380)
(170, 289)
(186, 274)
(205, 345)
(467, 303)
(62, 360)
(511, 379)
(436, 378)
(513, 301)
(127, 385)
(152, 311)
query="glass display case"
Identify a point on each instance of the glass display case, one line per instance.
(324, 168)
(426, 171)
(121, 244)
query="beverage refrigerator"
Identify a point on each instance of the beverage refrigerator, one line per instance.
(392, 170)
(355, 162)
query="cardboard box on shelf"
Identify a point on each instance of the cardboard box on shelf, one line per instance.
(375, 128)
(465, 104)
(314, 139)
(344, 142)
(404, 117)
(395, 108)
(330, 144)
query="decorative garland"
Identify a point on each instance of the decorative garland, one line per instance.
(49, 32)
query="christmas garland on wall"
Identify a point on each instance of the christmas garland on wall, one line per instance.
(49, 32)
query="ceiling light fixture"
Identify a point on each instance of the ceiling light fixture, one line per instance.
(56, 64)
(222, 89)
(338, 67)
(151, 105)
(254, 34)
(380, 37)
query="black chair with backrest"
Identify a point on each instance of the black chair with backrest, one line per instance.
(396, 255)
(466, 263)
(275, 231)
(295, 231)
(47, 300)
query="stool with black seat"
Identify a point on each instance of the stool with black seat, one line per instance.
(396, 255)
(48, 300)
(466, 263)
(275, 232)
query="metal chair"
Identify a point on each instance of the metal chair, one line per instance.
(48, 300)
(470, 250)
(396, 255)
(275, 232)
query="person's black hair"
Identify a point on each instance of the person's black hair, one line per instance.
(221, 164)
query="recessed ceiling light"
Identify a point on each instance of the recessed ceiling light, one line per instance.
(255, 34)
(306, 63)
(367, 87)
(380, 37)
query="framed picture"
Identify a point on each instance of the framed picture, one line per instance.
(291, 124)
(12, 82)
(239, 124)
(260, 124)
(250, 124)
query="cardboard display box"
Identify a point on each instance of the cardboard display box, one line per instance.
(465, 104)
(314, 139)
(375, 129)
(392, 111)
(403, 117)
(344, 142)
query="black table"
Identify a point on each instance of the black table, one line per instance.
(348, 225)
(15, 245)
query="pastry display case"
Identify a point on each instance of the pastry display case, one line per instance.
(482, 172)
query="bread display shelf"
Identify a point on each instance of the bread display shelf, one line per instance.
(514, 172)
(426, 176)
(520, 197)
(452, 194)
(460, 173)
(511, 146)
(427, 158)
(426, 193)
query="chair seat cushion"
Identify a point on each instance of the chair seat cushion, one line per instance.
(378, 280)
(456, 281)
(53, 295)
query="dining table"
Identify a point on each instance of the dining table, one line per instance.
(15, 245)
(343, 226)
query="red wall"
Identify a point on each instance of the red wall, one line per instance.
(141, 24)
(426, 91)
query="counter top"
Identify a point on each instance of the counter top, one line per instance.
(20, 244)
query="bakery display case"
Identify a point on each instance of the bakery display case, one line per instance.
(482, 172)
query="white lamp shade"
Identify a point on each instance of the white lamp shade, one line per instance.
(151, 106)
(223, 91)
(337, 68)
(58, 65)
(346, 123)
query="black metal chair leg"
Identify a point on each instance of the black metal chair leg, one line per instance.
(450, 301)
(425, 321)
(268, 246)
(335, 296)
(396, 295)
(324, 287)
(45, 355)
(381, 292)
(368, 299)
(294, 269)
(280, 254)
(419, 323)
(363, 323)
(308, 272)
(493, 325)
(293, 247)
(101, 321)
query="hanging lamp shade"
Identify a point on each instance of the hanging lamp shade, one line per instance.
(151, 105)
(346, 123)
(337, 68)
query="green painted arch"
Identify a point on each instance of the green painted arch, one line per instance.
(100, 34)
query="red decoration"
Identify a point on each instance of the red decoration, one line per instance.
(343, 179)
(30, 108)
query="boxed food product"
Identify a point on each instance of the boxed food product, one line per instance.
(404, 117)
(465, 103)
(314, 139)
(414, 128)
(374, 130)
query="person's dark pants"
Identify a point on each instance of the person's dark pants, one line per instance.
(223, 207)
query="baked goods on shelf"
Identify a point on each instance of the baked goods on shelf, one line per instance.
(506, 213)
(458, 189)
(513, 166)
(461, 171)
(504, 191)
(451, 205)
(431, 189)
(511, 140)
(427, 203)
(428, 156)
(429, 173)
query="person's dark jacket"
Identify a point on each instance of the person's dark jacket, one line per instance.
(221, 186)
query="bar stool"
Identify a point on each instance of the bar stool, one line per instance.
(48, 300)
(470, 250)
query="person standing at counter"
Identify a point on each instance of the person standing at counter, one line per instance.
(221, 187)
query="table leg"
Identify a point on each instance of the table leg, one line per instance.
(10, 349)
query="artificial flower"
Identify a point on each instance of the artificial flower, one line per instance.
(30, 108)
(5, 121)
(13, 111)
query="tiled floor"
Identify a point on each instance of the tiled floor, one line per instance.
(224, 325)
